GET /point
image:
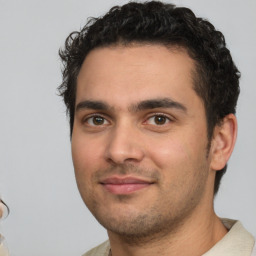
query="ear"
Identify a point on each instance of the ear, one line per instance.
(223, 142)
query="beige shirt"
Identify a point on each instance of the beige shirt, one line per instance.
(237, 242)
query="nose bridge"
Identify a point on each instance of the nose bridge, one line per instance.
(124, 144)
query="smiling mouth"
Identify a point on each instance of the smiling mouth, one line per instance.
(123, 186)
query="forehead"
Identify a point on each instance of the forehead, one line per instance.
(122, 74)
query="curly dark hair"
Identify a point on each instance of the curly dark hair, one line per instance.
(216, 78)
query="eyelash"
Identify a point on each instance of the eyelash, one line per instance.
(94, 116)
(166, 117)
(153, 115)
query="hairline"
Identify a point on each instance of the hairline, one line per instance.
(197, 78)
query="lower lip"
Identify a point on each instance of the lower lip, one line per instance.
(123, 189)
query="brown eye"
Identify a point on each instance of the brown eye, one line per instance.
(96, 121)
(160, 120)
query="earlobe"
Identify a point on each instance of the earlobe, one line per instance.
(223, 142)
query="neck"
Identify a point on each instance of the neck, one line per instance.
(193, 237)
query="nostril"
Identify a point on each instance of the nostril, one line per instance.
(123, 145)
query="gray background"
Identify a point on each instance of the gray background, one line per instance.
(36, 174)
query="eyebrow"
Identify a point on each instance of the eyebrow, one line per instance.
(91, 104)
(158, 103)
(143, 105)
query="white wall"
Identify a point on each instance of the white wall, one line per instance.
(36, 174)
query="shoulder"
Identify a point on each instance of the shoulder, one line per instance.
(100, 250)
(237, 242)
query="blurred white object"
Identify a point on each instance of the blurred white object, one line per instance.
(3, 248)
(3, 214)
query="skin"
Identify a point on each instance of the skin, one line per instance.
(138, 116)
(2, 209)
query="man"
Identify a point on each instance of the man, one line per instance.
(151, 92)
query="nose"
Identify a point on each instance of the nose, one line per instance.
(124, 145)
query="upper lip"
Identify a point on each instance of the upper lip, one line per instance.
(124, 180)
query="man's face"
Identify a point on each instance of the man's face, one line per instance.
(139, 142)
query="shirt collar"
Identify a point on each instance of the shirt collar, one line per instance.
(237, 242)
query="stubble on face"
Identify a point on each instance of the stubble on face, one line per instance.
(176, 160)
(150, 225)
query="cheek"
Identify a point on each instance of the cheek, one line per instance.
(179, 160)
(169, 153)
(181, 147)
(85, 155)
